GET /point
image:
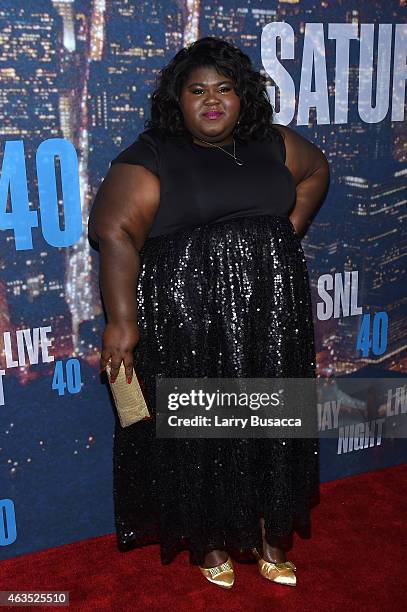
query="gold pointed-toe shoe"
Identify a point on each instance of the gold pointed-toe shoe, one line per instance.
(223, 575)
(282, 573)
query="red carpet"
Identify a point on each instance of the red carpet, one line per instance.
(355, 560)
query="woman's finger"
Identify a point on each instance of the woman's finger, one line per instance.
(104, 359)
(128, 365)
(114, 368)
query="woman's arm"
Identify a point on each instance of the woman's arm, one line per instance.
(120, 219)
(310, 170)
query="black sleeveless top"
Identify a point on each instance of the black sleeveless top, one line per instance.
(201, 185)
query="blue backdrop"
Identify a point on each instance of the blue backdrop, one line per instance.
(76, 80)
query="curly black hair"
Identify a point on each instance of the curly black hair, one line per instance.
(256, 111)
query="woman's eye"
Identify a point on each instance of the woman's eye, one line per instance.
(225, 88)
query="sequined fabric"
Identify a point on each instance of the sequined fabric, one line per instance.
(224, 299)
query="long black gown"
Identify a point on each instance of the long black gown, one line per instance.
(223, 292)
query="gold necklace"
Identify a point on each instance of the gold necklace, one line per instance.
(238, 161)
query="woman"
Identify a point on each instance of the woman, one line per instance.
(202, 274)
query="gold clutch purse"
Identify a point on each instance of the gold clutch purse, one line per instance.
(128, 398)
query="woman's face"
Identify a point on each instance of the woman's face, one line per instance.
(209, 105)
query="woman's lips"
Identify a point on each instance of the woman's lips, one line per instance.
(212, 115)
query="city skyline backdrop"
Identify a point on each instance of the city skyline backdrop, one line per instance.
(84, 71)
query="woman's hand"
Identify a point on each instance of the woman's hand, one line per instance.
(294, 226)
(118, 342)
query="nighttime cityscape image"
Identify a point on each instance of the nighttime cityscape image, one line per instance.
(79, 80)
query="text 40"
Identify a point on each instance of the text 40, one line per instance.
(375, 339)
(67, 376)
(20, 218)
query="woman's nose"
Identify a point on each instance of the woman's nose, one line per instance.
(211, 97)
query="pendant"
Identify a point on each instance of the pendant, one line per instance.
(239, 161)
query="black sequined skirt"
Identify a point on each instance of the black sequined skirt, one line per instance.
(228, 299)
